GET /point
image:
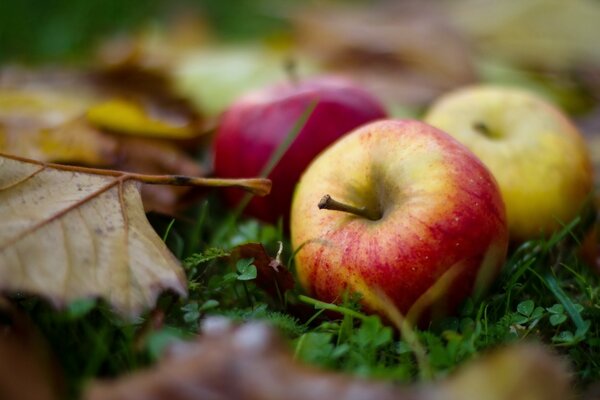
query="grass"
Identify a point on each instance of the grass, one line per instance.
(545, 293)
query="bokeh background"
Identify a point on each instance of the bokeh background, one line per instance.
(407, 53)
(415, 49)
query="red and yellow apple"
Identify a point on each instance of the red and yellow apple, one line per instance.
(411, 215)
(253, 128)
(534, 151)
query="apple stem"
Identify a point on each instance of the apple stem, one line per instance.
(328, 203)
(483, 128)
(291, 69)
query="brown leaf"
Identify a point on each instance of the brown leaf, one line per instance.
(150, 156)
(541, 33)
(516, 372)
(70, 232)
(405, 52)
(227, 362)
(272, 276)
(140, 79)
(187, 60)
(43, 117)
(249, 362)
(153, 49)
(27, 369)
(44, 124)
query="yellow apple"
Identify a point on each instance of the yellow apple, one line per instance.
(534, 151)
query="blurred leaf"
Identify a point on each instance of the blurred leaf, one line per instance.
(405, 52)
(129, 117)
(517, 372)
(158, 157)
(43, 117)
(44, 124)
(208, 73)
(557, 319)
(28, 370)
(249, 362)
(543, 33)
(213, 77)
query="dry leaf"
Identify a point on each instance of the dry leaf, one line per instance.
(249, 362)
(43, 117)
(184, 54)
(246, 362)
(44, 124)
(406, 52)
(157, 157)
(157, 46)
(271, 275)
(541, 33)
(135, 118)
(517, 372)
(70, 233)
(27, 369)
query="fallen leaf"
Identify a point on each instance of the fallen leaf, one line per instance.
(70, 232)
(540, 33)
(135, 73)
(43, 117)
(155, 47)
(251, 362)
(186, 58)
(272, 276)
(27, 370)
(523, 371)
(158, 157)
(44, 124)
(406, 53)
(212, 77)
(139, 118)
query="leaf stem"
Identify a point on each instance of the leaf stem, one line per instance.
(257, 186)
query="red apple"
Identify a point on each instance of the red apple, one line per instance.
(253, 127)
(413, 217)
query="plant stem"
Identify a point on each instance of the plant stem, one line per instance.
(321, 305)
(257, 186)
(328, 203)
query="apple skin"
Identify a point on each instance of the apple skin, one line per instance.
(535, 153)
(254, 126)
(443, 220)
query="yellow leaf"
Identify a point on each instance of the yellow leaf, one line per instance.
(131, 118)
(70, 232)
(44, 124)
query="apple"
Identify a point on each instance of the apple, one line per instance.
(253, 128)
(411, 216)
(534, 151)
